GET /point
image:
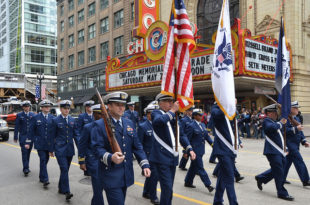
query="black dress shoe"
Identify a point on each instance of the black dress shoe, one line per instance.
(287, 182)
(146, 195)
(306, 183)
(45, 184)
(26, 172)
(69, 196)
(259, 184)
(287, 198)
(189, 185)
(213, 162)
(183, 168)
(156, 201)
(210, 188)
(239, 178)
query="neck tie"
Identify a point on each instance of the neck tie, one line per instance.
(66, 119)
(200, 126)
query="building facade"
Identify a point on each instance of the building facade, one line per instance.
(28, 45)
(263, 18)
(258, 17)
(89, 32)
(4, 36)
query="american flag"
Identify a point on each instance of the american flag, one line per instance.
(43, 94)
(180, 43)
(37, 92)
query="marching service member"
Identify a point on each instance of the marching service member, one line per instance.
(146, 136)
(197, 134)
(184, 122)
(21, 130)
(85, 118)
(163, 155)
(63, 132)
(116, 169)
(87, 160)
(39, 130)
(274, 151)
(295, 137)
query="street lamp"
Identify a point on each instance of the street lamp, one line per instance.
(40, 77)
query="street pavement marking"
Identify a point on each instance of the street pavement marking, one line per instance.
(260, 153)
(179, 196)
(136, 183)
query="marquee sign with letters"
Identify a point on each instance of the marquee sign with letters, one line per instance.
(253, 57)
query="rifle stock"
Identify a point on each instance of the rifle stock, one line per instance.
(109, 127)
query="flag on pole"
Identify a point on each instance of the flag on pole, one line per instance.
(282, 77)
(180, 44)
(222, 75)
(43, 92)
(37, 92)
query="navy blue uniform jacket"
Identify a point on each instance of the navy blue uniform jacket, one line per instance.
(117, 175)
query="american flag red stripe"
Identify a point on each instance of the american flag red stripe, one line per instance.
(180, 44)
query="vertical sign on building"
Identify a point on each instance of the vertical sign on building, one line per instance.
(146, 13)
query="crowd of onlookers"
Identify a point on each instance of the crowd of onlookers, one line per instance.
(249, 122)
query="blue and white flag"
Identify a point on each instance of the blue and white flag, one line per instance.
(222, 75)
(282, 77)
(37, 92)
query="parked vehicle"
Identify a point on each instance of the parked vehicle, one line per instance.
(4, 130)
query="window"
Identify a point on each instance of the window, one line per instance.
(104, 25)
(62, 26)
(61, 64)
(115, 1)
(71, 62)
(118, 18)
(80, 2)
(71, 21)
(71, 5)
(81, 58)
(81, 16)
(91, 9)
(61, 10)
(118, 45)
(62, 45)
(71, 40)
(92, 54)
(37, 56)
(104, 4)
(91, 31)
(104, 50)
(81, 36)
(132, 16)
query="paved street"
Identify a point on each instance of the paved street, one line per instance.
(18, 190)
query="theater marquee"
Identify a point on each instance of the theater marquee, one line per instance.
(254, 57)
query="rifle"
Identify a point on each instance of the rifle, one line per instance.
(109, 126)
(290, 117)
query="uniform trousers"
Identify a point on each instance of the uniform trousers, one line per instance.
(196, 167)
(64, 163)
(300, 166)
(225, 180)
(44, 157)
(116, 196)
(150, 183)
(25, 156)
(166, 175)
(277, 163)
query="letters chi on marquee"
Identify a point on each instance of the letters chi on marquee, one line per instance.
(253, 57)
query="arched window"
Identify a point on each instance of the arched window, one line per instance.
(208, 14)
